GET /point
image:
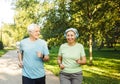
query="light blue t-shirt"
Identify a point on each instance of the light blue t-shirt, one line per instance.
(32, 64)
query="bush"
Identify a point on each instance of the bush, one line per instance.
(1, 45)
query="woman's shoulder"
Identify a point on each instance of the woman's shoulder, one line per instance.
(63, 45)
(79, 44)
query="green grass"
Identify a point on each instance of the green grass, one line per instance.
(105, 68)
(2, 52)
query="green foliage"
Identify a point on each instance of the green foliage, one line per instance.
(106, 68)
(2, 52)
(52, 64)
(27, 12)
(9, 36)
(95, 17)
(57, 20)
(99, 18)
(1, 45)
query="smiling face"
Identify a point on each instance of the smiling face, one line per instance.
(71, 37)
(35, 33)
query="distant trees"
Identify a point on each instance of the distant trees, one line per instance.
(27, 12)
(1, 45)
(96, 20)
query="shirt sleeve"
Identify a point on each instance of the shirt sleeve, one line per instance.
(45, 49)
(82, 51)
(60, 51)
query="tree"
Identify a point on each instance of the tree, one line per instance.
(56, 21)
(27, 12)
(94, 18)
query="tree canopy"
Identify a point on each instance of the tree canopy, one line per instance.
(98, 22)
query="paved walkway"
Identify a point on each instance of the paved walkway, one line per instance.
(10, 73)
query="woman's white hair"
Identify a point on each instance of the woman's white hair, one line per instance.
(31, 27)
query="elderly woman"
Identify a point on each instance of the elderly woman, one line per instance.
(71, 56)
(32, 53)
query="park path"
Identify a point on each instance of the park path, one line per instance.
(10, 73)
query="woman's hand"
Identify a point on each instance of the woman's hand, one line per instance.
(81, 60)
(78, 61)
(61, 66)
(60, 62)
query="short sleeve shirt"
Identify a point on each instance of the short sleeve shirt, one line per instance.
(69, 56)
(33, 65)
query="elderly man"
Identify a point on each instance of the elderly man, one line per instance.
(32, 54)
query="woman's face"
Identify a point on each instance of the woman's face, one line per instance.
(35, 33)
(70, 36)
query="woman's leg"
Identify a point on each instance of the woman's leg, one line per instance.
(77, 78)
(65, 78)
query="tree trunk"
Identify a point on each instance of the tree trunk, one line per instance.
(90, 49)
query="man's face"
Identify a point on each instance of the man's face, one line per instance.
(35, 33)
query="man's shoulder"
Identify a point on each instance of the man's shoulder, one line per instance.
(24, 40)
(42, 40)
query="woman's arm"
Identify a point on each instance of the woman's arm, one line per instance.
(60, 62)
(82, 60)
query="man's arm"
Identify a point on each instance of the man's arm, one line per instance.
(20, 58)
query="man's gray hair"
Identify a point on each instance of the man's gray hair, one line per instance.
(31, 27)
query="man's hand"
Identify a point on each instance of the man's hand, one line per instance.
(39, 54)
(20, 64)
(45, 58)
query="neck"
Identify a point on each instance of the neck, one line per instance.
(72, 44)
(32, 39)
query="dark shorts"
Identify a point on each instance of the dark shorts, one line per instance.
(26, 80)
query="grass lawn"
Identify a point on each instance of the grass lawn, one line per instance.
(2, 52)
(105, 68)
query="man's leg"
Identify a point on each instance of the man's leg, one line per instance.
(26, 80)
(40, 80)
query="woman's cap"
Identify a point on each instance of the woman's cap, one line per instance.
(72, 29)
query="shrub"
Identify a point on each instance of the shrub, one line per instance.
(1, 45)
